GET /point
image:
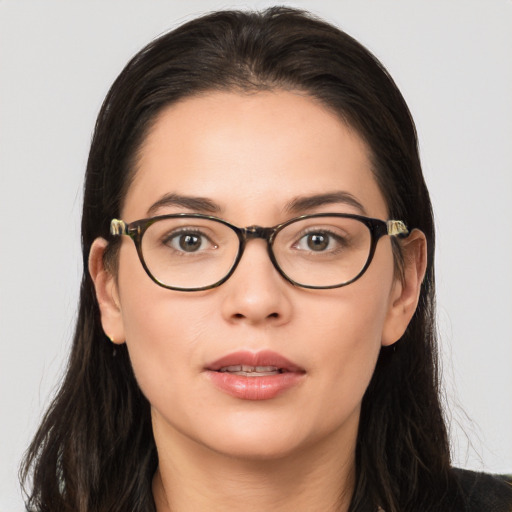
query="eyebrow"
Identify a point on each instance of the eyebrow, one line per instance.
(197, 204)
(302, 204)
(298, 205)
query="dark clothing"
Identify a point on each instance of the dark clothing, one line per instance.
(482, 492)
(467, 491)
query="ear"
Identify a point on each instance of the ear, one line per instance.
(106, 293)
(406, 289)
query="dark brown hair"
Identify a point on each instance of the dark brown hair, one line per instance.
(95, 451)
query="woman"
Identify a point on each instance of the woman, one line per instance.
(271, 320)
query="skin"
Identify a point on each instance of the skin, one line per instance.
(251, 155)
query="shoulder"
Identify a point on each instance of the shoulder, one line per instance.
(482, 492)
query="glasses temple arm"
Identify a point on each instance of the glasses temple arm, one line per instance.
(117, 227)
(397, 228)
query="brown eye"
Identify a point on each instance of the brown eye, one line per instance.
(186, 241)
(189, 243)
(317, 241)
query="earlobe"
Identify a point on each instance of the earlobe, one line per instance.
(106, 293)
(406, 290)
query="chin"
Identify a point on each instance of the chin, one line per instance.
(258, 438)
(257, 448)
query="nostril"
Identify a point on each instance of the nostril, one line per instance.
(240, 316)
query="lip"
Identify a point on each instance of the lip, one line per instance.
(262, 387)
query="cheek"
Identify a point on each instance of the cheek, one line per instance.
(350, 342)
(162, 330)
(347, 333)
(164, 342)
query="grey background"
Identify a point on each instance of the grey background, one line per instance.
(453, 63)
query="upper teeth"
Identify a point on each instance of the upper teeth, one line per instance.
(249, 369)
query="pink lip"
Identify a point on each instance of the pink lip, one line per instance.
(254, 388)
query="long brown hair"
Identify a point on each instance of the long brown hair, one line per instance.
(95, 451)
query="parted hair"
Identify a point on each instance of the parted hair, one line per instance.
(95, 451)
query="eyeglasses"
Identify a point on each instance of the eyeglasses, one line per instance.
(193, 252)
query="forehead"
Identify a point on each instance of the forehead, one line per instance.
(251, 154)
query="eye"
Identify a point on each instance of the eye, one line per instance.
(188, 241)
(319, 241)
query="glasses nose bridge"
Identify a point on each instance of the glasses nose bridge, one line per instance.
(255, 232)
(252, 232)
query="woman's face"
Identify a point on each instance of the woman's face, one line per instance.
(251, 156)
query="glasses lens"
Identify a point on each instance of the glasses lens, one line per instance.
(323, 251)
(187, 252)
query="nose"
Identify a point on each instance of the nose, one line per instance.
(256, 293)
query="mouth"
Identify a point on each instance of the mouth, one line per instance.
(254, 376)
(251, 371)
(253, 363)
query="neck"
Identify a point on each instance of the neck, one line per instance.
(193, 478)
